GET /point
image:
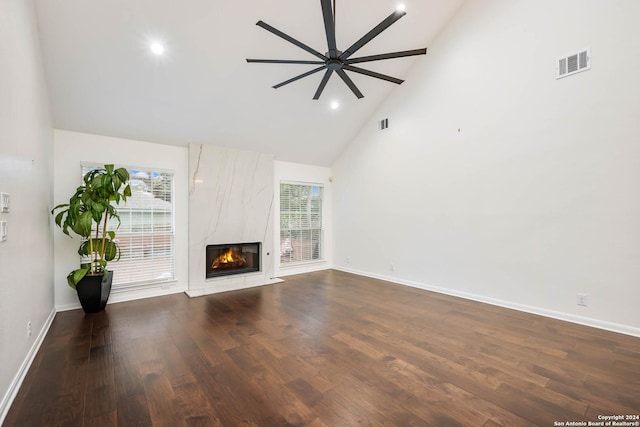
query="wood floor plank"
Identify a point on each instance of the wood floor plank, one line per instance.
(109, 419)
(132, 406)
(324, 349)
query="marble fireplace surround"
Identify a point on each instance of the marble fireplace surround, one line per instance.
(231, 197)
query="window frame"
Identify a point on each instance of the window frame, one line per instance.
(319, 230)
(140, 284)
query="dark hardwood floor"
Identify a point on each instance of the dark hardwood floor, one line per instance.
(324, 349)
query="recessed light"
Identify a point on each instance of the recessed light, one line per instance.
(401, 7)
(157, 48)
(335, 105)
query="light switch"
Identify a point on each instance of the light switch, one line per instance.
(3, 231)
(4, 202)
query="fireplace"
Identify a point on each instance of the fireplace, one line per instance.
(234, 258)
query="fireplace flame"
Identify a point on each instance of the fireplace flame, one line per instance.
(229, 259)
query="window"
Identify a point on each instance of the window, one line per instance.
(300, 222)
(146, 232)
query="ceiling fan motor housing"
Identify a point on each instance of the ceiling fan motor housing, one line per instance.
(334, 64)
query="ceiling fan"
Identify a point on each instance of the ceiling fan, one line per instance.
(335, 60)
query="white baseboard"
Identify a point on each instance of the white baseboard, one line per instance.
(124, 295)
(12, 392)
(586, 321)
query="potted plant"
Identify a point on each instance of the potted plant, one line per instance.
(87, 214)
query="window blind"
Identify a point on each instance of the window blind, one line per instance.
(300, 222)
(146, 232)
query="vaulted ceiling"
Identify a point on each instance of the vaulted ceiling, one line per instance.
(104, 79)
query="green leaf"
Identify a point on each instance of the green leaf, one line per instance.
(123, 174)
(83, 225)
(110, 251)
(117, 182)
(59, 218)
(84, 248)
(96, 213)
(105, 278)
(64, 205)
(75, 276)
(97, 182)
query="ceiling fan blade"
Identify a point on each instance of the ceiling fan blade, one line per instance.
(290, 39)
(372, 74)
(308, 73)
(386, 23)
(347, 80)
(329, 28)
(387, 56)
(282, 61)
(323, 83)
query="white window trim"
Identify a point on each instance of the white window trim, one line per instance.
(302, 263)
(155, 282)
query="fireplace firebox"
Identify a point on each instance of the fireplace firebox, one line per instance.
(234, 258)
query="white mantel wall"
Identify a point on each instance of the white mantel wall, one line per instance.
(230, 201)
(73, 148)
(497, 182)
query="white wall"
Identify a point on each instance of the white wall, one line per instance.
(26, 258)
(498, 182)
(72, 148)
(297, 172)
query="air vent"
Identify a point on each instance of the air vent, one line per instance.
(383, 124)
(575, 63)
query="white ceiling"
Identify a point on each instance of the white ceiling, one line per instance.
(103, 79)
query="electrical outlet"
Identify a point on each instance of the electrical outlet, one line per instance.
(392, 267)
(582, 299)
(4, 202)
(29, 329)
(348, 260)
(4, 231)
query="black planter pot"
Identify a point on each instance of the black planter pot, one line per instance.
(93, 291)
